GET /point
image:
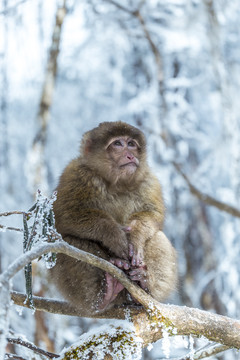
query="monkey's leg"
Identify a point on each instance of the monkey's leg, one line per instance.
(161, 262)
(81, 284)
(85, 286)
(112, 286)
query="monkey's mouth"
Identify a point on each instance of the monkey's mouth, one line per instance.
(131, 164)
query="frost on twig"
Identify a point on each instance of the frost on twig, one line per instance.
(41, 230)
(4, 308)
(18, 340)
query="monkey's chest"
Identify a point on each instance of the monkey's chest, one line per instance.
(121, 208)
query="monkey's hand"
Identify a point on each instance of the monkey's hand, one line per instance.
(118, 243)
(120, 263)
(135, 252)
(139, 274)
(139, 231)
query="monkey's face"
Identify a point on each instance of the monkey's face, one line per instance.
(123, 153)
(116, 151)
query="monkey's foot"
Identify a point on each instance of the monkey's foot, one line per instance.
(113, 288)
(139, 275)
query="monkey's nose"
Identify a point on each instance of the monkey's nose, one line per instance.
(130, 156)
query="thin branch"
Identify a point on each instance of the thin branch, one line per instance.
(206, 198)
(13, 357)
(32, 347)
(65, 308)
(8, 213)
(11, 8)
(208, 351)
(4, 228)
(155, 51)
(120, 7)
(205, 352)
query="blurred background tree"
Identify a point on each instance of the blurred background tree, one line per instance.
(171, 68)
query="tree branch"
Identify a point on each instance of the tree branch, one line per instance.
(8, 213)
(155, 51)
(4, 228)
(209, 351)
(13, 357)
(65, 308)
(30, 346)
(185, 321)
(37, 165)
(206, 198)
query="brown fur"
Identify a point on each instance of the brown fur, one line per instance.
(94, 204)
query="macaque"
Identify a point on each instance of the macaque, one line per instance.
(110, 204)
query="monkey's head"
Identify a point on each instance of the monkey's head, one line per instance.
(116, 151)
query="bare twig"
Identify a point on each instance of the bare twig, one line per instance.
(12, 8)
(209, 351)
(205, 352)
(8, 213)
(3, 227)
(32, 347)
(206, 198)
(155, 51)
(120, 7)
(13, 357)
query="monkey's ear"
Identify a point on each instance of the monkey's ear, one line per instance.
(87, 147)
(86, 144)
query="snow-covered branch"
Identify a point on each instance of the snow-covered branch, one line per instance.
(149, 324)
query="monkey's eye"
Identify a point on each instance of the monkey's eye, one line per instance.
(132, 143)
(117, 143)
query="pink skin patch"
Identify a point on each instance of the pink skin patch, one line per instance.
(113, 286)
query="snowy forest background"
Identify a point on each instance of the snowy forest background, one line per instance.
(172, 68)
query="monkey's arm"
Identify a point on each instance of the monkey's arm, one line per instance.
(95, 225)
(143, 226)
(147, 221)
(78, 210)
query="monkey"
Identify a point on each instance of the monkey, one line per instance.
(109, 203)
